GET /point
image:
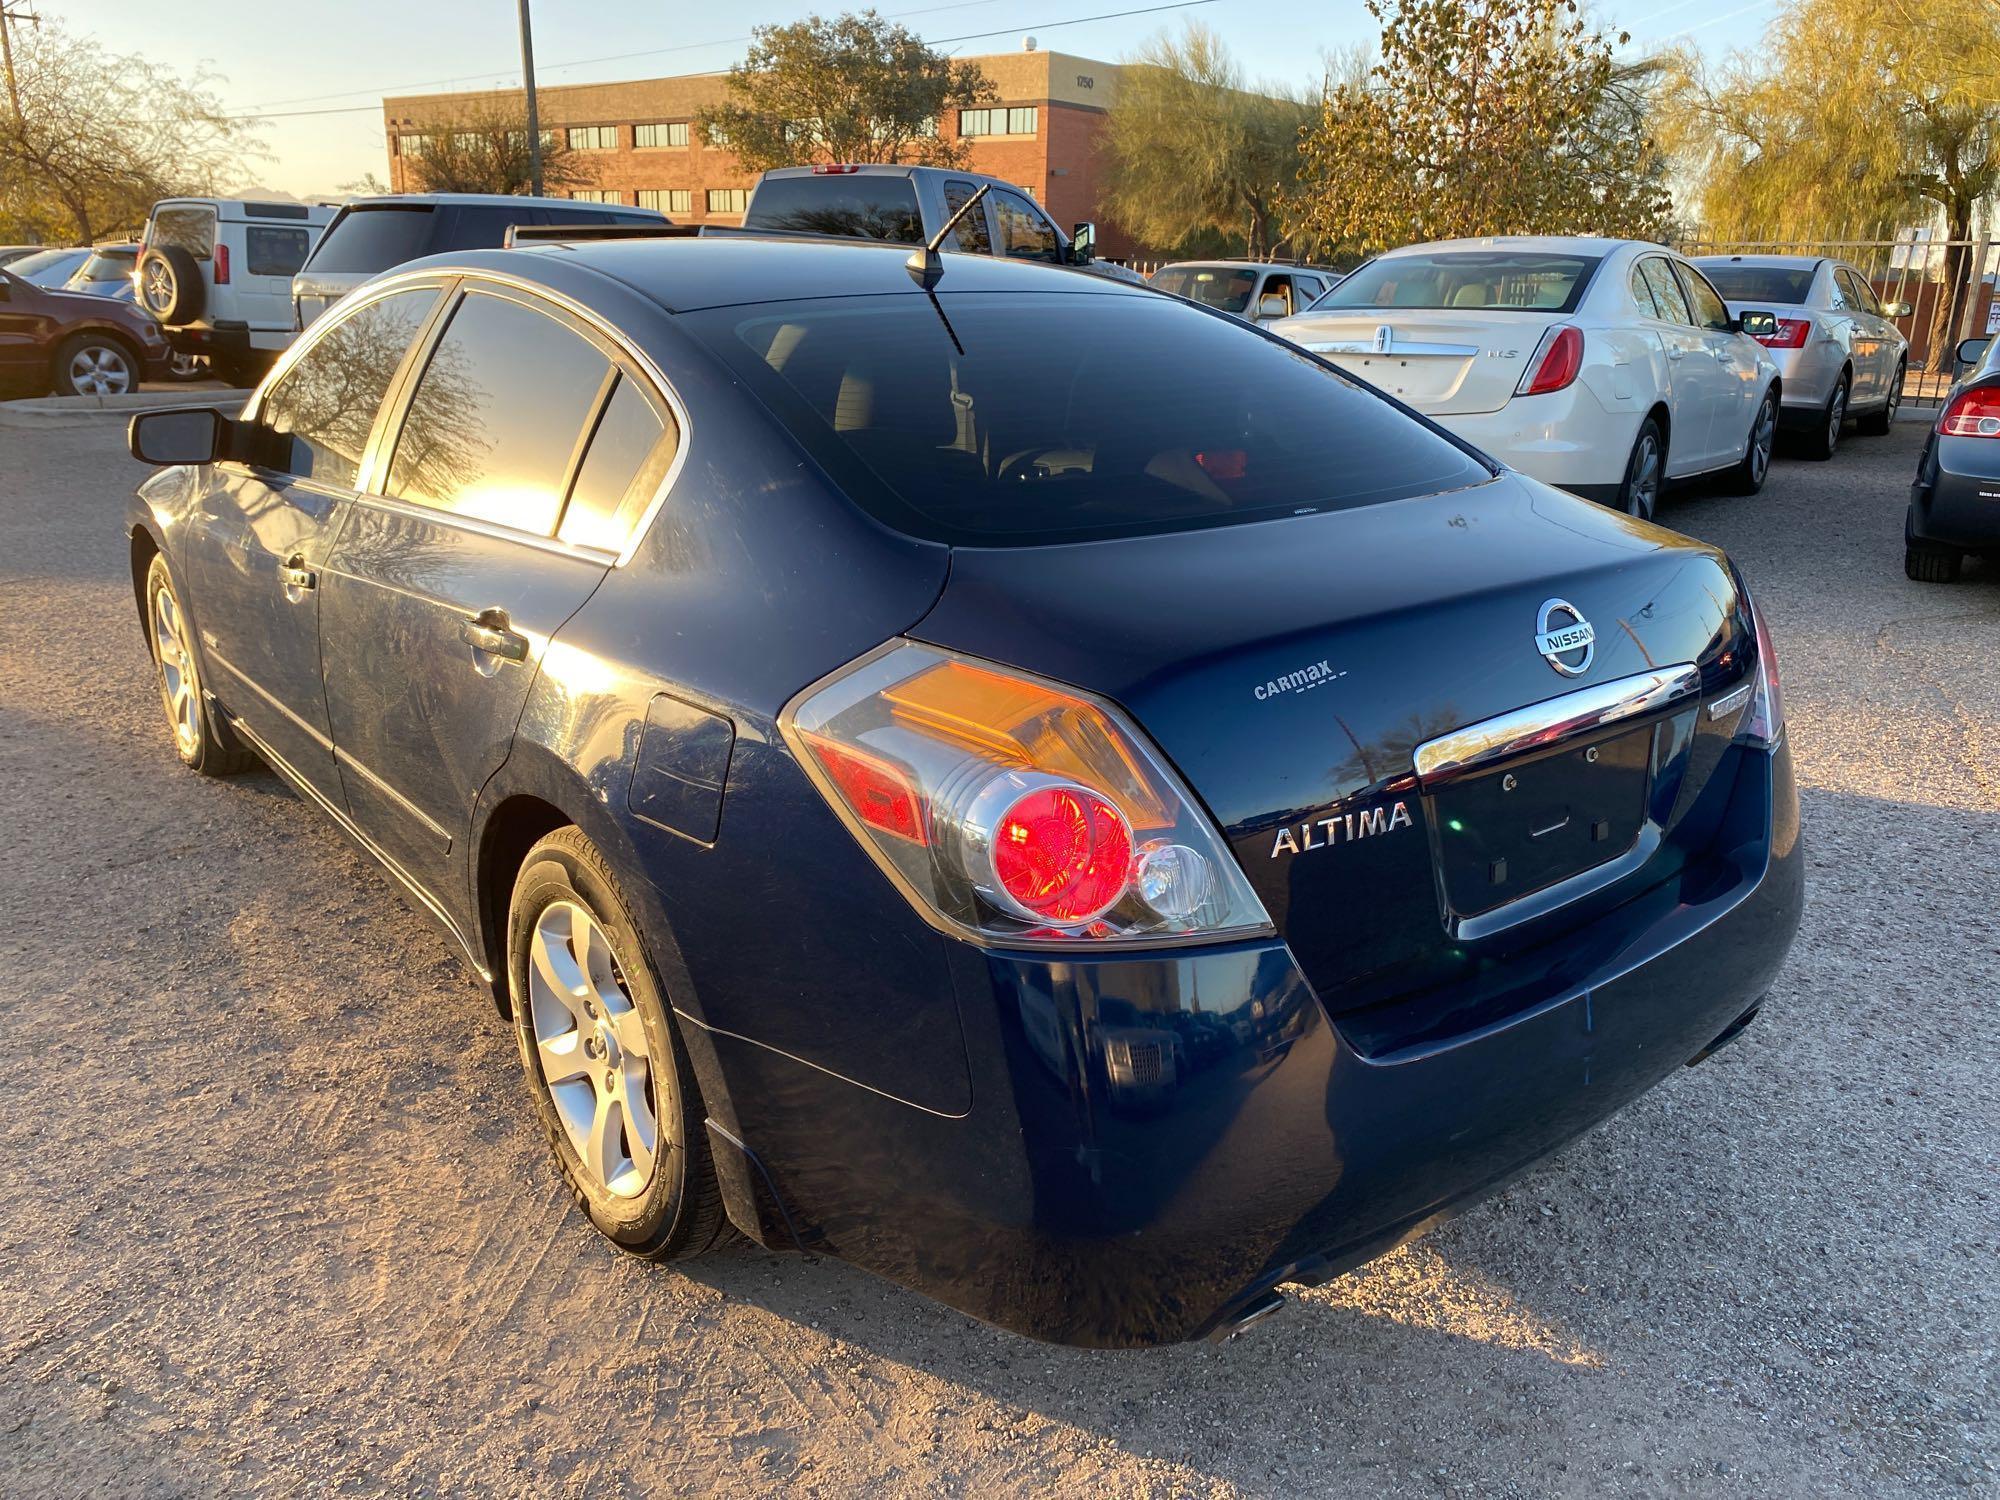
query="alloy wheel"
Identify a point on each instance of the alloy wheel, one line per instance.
(591, 1043)
(1643, 495)
(1836, 414)
(157, 288)
(100, 370)
(1895, 397)
(178, 693)
(1762, 437)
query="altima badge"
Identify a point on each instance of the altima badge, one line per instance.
(1565, 638)
(1341, 828)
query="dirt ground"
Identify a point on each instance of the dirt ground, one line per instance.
(274, 1219)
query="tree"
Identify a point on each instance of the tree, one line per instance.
(1480, 117)
(1189, 153)
(100, 137)
(1850, 116)
(855, 88)
(482, 147)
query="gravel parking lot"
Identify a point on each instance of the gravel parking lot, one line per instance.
(274, 1218)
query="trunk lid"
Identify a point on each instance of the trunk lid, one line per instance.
(1445, 364)
(1292, 669)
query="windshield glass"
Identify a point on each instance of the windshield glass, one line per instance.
(1225, 288)
(43, 264)
(367, 240)
(1467, 280)
(1070, 415)
(1788, 284)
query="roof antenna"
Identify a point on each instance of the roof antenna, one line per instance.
(925, 265)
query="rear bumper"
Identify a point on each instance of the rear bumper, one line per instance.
(1956, 499)
(1566, 438)
(1269, 1143)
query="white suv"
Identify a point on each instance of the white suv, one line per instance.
(217, 273)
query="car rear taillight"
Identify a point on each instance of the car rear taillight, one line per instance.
(221, 265)
(1763, 723)
(1973, 413)
(1010, 810)
(1556, 361)
(834, 169)
(1791, 333)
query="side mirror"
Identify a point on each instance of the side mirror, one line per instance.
(1972, 351)
(1897, 309)
(178, 435)
(1759, 325)
(1083, 243)
(1273, 305)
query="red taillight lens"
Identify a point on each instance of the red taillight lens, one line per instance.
(1973, 413)
(1557, 360)
(834, 169)
(1764, 720)
(1008, 809)
(1063, 854)
(222, 265)
(1792, 334)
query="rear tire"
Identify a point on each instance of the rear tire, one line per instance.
(1645, 473)
(1747, 478)
(611, 1081)
(1931, 564)
(202, 743)
(1820, 443)
(1878, 423)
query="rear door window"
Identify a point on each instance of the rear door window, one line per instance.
(189, 229)
(1667, 294)
(1859, 293)
(316, 420)
(1642, 293)
(971, 234)
(1709, 310)
(627, 461)
(269, 251)
(859, 205)
(363, 241)
(498, 415)
(1060, 416)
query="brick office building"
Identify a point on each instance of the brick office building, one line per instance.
(1039, 131)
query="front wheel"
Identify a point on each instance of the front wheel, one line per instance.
(199, 740)
(1639, 493)
(94, 364)
(611, 1081)
(1747, 478)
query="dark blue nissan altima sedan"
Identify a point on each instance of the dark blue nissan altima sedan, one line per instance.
(1032, 787)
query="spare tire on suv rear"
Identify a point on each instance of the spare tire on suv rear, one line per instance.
(171, 287)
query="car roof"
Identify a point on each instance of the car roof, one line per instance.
(1552, 244)
(684, 274)
(512, 200)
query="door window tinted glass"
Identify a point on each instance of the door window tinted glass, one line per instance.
(373, 239)
(971, 232)
(1667, 295)
(319, 416)
(274, 252)
(1709, 311)
(497, 415)
(1859, 293)
(474, 228)
(1070, 415)
(1531, 281)
(628, 457)
(1642, 293)
(857, 204)
(1024, 233)
(193, 229)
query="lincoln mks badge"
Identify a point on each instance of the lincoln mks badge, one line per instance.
(1564, 636)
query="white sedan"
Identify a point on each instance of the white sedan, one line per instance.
(1606, 367)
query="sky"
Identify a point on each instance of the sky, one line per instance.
(326, 68)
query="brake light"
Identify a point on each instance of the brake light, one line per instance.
(1973, 413)
(221, 264)
(1792, 334)
(834, 169)
(1009, 810)
(1557, 359)
(1763, 723)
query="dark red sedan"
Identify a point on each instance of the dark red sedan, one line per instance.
(74, 344)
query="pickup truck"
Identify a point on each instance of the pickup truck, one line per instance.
(907, 205)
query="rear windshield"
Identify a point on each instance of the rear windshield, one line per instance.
(41, 260)
(1070, 416)
(367, 240)
(192, 229)
(1758, 283)
(275, 252)
(857, 205)
(1488, 280)
(1225, 288)
(107, 265)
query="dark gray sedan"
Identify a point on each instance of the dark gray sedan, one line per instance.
(1955, 502)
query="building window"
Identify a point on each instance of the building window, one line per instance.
(976, 122)
(593, 137)
(413, 145)
(659, 136)
(596, 195)
(667, 200)
(728, 200)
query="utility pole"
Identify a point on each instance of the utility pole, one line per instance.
(527, 83)
(10, 10)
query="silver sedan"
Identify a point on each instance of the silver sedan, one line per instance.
(1837, 346)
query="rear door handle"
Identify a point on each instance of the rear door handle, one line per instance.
(298, 578)
(488, 631)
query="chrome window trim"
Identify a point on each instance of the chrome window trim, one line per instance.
(626, 349)
(479, 526)
(1476, 746)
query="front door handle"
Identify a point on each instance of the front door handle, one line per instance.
(488, 631)
(297, 577)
